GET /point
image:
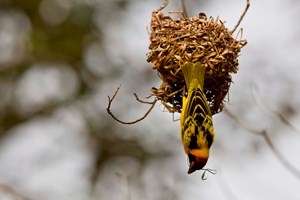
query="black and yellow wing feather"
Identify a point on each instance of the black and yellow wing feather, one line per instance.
(196, 121)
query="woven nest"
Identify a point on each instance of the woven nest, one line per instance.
(208, 41)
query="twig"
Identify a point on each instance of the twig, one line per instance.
(242, 123)
(265, 108)
(12, 192)
(281, 158)
(242, 16)
(110, 100)
(163, 6)
(141, 101)
(268, 140)
(184, 10)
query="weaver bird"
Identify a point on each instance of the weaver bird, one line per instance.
(197, 132)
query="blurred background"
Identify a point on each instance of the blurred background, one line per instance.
(59, 60)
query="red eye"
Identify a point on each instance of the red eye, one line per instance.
(192, 163)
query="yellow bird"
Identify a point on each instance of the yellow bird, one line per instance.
(197, 132)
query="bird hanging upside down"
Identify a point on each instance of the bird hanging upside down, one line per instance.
(197, 132)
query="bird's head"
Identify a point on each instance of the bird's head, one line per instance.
(197, 160)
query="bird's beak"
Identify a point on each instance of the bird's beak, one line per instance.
(191, 170)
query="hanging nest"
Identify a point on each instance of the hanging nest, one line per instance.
(208, 41)
(175, 42)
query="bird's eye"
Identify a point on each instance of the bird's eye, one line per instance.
(192, 163)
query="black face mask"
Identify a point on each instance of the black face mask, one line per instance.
(195, 164)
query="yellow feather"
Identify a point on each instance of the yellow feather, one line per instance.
(193, 75)
(197, 132)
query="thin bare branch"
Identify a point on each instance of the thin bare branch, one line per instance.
(269, 142)
(184, 10)
(242, 16)
(12, 192)
(267, 109)
(110, 100)
(280, 157)
(142, 101)
(242, 123)
(163, 6)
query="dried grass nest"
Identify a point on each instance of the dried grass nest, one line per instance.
(208, 41)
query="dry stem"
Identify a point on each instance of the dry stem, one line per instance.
(141, 101)
(110, 100)
(163, 6)
(12, 192)
(184, 10)
(265, 108)
(242, 16)
(269, 142)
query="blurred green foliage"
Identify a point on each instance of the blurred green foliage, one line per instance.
(64, 42)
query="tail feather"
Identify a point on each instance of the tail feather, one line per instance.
(193, 71)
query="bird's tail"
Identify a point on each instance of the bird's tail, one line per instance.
(193, 72)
